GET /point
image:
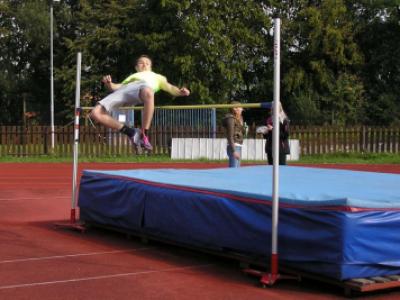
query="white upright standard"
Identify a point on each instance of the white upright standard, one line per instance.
(275, 151)
(271, 277)
(76, 136)
(72, 223)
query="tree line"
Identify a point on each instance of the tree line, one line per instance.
(340, 62)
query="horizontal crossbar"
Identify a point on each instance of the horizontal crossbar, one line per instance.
(200, 106)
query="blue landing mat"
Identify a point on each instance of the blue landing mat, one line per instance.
(331, 222)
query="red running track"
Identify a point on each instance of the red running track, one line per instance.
(38, 261)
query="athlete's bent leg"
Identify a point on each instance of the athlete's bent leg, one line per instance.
(99, 114)
(147, 96)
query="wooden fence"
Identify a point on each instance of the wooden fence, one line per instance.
(97, 142)
(321, 140)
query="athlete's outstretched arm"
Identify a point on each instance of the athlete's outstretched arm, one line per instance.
(107, 80)
(174, 90)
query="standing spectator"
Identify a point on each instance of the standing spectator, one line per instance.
(234, 126)
(284, 148)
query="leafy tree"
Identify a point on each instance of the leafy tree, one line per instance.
(338, 62)
(23, 55)
(320, 81)
(379, 39)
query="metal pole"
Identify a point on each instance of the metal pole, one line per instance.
(24, 108)
(51, 78)
(214, 123)
(275, 151)
(76, 136)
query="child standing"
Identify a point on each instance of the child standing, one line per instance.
(234, 126)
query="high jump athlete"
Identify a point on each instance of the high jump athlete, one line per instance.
(138, 88)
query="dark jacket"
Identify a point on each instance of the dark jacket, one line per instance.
(234, 130)
(283, 139)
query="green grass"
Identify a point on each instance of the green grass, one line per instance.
(352, 158)
(357, 158)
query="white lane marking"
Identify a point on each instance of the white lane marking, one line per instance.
(71, 255)
(30, 184)
(30, 198)
(33, 284)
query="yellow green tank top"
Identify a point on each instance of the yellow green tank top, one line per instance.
(154, 80)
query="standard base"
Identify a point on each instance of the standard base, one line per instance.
(71, 226)
(269, 279)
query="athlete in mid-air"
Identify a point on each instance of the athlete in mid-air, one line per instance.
(137, 89)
